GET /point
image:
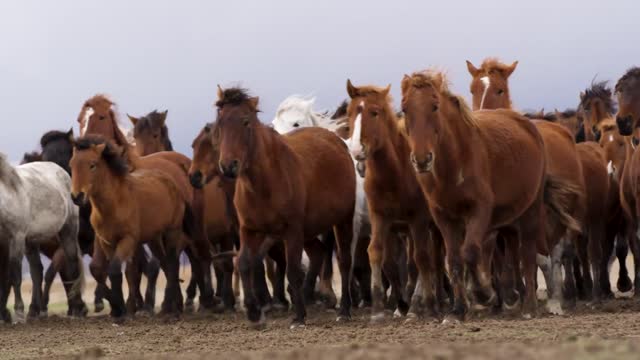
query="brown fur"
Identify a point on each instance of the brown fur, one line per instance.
(394, 196)
(466, 164)
(282, 193)
(498, 95)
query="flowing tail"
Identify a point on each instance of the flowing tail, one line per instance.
(559, 195)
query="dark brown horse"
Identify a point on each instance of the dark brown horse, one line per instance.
(282, 193)
(596, 104)
(151, 136)
(480, 172)
(627, 91)
(118, 198)
(395, 199)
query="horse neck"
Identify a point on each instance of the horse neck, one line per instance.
(452, 150)
(262, 172)
(110, 194)
(391, 162)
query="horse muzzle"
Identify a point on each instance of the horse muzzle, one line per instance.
(422, 165)
(625, 125)
(79, 198)
(231, 169)
(197, 180)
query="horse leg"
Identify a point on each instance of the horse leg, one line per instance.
(197, 275)
(35, 267)
(133, 275)
(424, 256)
(56, 263)
(584, 282)
(293, 241)
(477, 251)
(343, 240)
(172, 304)
(225, 287)
(362, 271)
(624, 283)
(5, 282)
(125, 250)
(277, 253)
(568, 260)
(315, 251)
(151, 271)
(248, 261)
(510, 272)
(453, 236)
(326, 274)
(412, 269)
(98, 269)
(380, 231)
(15, 271)
(191, 295)
(597, 237)
(74, 267)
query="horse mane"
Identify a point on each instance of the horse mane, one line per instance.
(341, 111)
(438, 80)
(493, 63)
(233, 96)
(632, 73)
(601, 91)
(8, 174)
(30, 157)
(569, 113)
(147, 122)
(53, 135)
(115, 161)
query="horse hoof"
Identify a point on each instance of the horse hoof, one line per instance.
(296, 325)
(624, 284)
(343, 318)
(554, 307)
(98, 308)
(377, 317)
(397, 314)
(450, 321)
(19, 318)
(189, 307)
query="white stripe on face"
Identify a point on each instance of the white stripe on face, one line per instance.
(87, 114)
(355, 143)
(610, 137)
(486, 82)
(610, 169)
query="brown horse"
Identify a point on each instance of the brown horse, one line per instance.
(97, 116)
(118, 199)
(151, 136)
(596, 104)
(395, 198)
(480, 172)
(490, 84)
(627, 91)
(204, 172)
(282, 193)
(562, 165)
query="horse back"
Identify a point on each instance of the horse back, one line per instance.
(328, 175)
(175, 165)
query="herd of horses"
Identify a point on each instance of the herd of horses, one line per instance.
(433, 211)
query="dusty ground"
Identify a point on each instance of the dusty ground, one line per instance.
(611, 331)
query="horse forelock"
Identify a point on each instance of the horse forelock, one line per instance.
(111, 154)
(632, 73)
(601, 91)
(233, 96)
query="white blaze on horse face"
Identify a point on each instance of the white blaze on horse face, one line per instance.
(486, 82)
(85, 120)
(610, 168)
(355, 143)
(610, 137)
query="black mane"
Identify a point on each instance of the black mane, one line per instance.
(110, 154)
(233, 96)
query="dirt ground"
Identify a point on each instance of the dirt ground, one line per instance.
(610, 331)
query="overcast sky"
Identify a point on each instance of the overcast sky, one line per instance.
(171, 54)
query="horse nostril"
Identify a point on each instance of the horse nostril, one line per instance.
(625, 125)
(429, 158)
(196, 179)
(78, 198)
(635, 141)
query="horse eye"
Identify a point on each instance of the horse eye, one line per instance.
(92, 166)
(500, 92)
(374, 113)
(207, 129)
(245, 121)
(435, 107)
(101, 117)
(295, 125)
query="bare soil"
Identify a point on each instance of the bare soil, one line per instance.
(607, 331)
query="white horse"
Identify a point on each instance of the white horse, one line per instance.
(297, 112)
(35, 207)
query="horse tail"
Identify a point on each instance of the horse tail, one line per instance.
(77, 286)
(558, 197)
(192, 226)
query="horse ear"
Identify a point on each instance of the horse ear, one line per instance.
(474, 71)
(386, 90)
(220, 92)
(134, 120)
(352, 90)
(511, 68)
(99, 149)
(70, 135)
(404, 84)
(253, 102)
(581, 95)
(163, 117)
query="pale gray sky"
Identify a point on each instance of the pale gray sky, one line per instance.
(161, 54)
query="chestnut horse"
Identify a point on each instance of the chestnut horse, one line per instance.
(395, 199)
(562, 165)
(205, 172)
(627, 91)
(282, 193)
(98, 116)
(118, 199)
(480, 172)
(151, 136)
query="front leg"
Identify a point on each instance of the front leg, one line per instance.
(380, 231)
(123, 253)
(15, 271)
(35, 267)
(293, 241)
(477, 251)
(424, 255)
(248, 261)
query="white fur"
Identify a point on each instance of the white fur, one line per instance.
(88, 111)
(486, 82)
(610, 137)
(610, 168)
